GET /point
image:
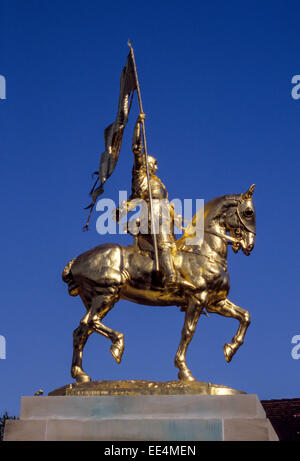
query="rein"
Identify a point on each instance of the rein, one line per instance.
(223, 236)
(210, 258)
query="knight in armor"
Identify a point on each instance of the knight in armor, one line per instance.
(163, 212)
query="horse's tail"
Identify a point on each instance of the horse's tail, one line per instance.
(67, 277)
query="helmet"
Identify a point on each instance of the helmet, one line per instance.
(151, 159)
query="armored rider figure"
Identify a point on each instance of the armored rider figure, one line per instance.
(163, 212)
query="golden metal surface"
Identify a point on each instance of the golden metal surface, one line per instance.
(142, 387)
(193, 277)
(110, 272)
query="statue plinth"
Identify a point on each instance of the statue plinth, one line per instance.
(141, 411)
(144, 387)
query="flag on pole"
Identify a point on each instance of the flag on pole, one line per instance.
(113, 134)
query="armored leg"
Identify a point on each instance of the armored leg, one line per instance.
(166, 263)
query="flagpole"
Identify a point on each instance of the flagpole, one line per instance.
(146, 160)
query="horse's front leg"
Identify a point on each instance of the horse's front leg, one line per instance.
(228, 309)
(193, 311)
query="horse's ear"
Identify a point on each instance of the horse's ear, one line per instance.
(249, 192)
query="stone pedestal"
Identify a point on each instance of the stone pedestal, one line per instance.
(141, 418)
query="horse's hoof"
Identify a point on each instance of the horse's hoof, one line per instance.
(117, 349)
(186, 376)
(80, 376)
(228, 352)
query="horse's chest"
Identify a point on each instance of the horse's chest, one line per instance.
(217, 280)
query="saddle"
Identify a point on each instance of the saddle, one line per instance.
(144, 245)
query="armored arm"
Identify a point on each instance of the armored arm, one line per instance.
(125, 207)
(139, 181)
(139, 187)
(137, 143)
(176, 218)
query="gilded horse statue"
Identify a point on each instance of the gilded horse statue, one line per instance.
(110, 272)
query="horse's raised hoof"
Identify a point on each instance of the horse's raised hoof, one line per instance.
(117, 348)
(228, 352)
(80, 376)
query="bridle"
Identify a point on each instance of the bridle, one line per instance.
(230, 239)
(247, 226)
(224, 236)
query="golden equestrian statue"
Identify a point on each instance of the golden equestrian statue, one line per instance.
(157, 269)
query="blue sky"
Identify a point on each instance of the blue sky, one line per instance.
(216, 86)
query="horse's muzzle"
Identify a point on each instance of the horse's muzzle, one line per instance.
(247, 250)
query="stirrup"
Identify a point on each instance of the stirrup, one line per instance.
(187, 284)
(171, 281)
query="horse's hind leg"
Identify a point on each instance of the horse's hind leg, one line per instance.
(101, 304)
(228, 309)
(80, 337)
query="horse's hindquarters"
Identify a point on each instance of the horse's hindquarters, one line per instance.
(101, 265)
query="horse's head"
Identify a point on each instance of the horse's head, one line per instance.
(241, 223)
